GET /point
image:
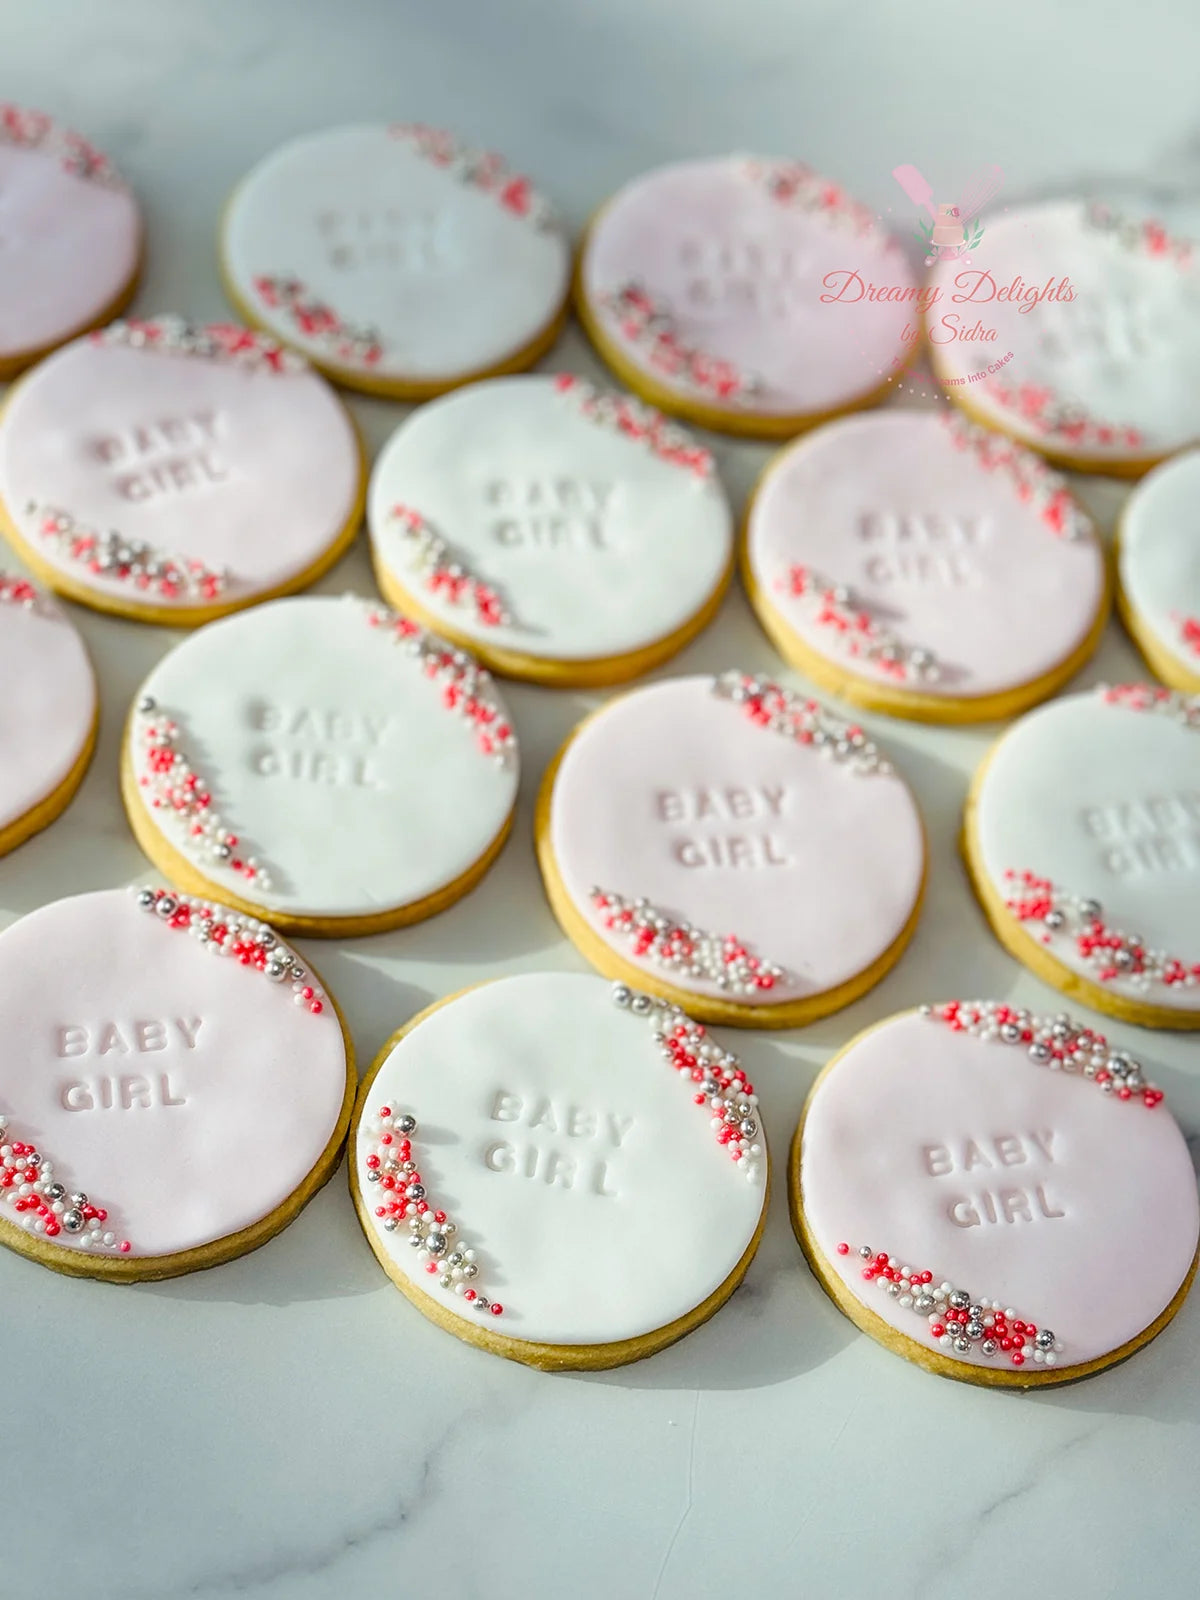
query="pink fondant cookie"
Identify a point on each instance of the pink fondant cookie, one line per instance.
(160, 1111)
(397, 258)
(749, 295)
(917, 564)
(1159, 571)
(172, 472)
(512, 1144)
(732, 846)
(1076, 329)
(1083, 839)
(564, 533)
(321, 762)
(70, 237)
(1000, 1197)
(48, 710)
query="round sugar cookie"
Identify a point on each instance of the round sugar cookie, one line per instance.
(735, 292)
(49, 710)
(916, 564)
(1076, 330)
(512, 1143)
(999, 1197)
(1158, 588)
(562, 533)
(732, 846)
(172, 472)
(321, 762)
(70, 237)
(1082, 838)
(397, 259)
(161, 1110)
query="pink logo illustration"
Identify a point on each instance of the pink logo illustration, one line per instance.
(948, 234)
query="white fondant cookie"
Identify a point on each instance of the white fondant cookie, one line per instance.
(1077, 331)
(395, 258)
(161, 1110)
(733, 846)
(998, 1197)
(70, 237)
(173, 472)
(1083, 836)
(922, 565)
(48, 710)
(322, 762)
(1160, 570)
(511, 1144)
(735, 292)
(561, 532)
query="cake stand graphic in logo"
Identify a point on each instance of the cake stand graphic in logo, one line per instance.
(954, 229)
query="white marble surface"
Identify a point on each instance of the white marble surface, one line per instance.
(288, 1427)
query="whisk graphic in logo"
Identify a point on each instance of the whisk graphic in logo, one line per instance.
(953, 229)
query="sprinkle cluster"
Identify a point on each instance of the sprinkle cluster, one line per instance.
(1055, 1042)
(466, 686)
(793, 183)
(636, 421)
(443, 574)
(1181, 708)
(16, 591)
(318, 321)
(957, 1320)
(1189, 633)
(113, 555)
(1042, 410)
(33, 1198)
(404, 1202)
(1036, 484)
(1147, 237)
(480, 169)
(682, 950)
(1110, 954)
(720, 1083)
(215, 341)
(33, 130)
(647, 324)
(801, 719)
(834, 606)
(228, 933)
(173, 786)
